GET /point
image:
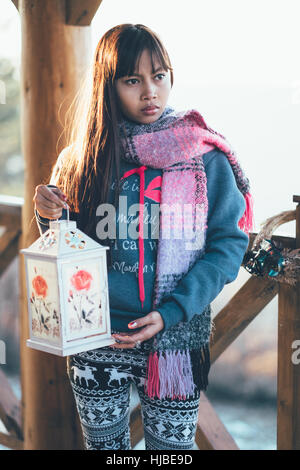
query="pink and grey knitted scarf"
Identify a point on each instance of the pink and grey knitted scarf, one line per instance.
(179, 359)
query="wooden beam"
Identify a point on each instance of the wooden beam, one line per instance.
(10, 222)
(11, 442)
(16, 3)
(286, 242)
(81, 13)
(10, 408)
(6, 239)
(11, 251)
(211, 433)
(11, 211)
(242, 308)
(288, 366)
(136, 426)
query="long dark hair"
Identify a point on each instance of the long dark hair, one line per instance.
(92, 136)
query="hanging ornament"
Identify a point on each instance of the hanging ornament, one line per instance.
(268, 258)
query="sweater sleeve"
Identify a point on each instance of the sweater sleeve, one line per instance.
(226, 245)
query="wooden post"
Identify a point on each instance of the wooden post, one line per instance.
(54, 57)
(288, 375)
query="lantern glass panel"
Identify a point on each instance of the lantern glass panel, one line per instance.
(84, 289)
(44, 299)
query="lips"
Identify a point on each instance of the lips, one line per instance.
(150, 108)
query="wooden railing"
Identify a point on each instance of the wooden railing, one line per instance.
(11, 229)
(230, 322)
(10, 232)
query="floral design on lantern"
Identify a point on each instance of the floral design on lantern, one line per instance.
(80, 297)
(75, 240)
(46, 319)
(48, 240)
(81, 280)
(40, 286)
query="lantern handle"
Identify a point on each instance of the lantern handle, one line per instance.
(68, 214)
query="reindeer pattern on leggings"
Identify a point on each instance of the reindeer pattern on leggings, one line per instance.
(85, 373)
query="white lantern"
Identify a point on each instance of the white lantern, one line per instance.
(67, 289)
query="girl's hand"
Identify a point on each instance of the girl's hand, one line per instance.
(152, 323)
(49, 202)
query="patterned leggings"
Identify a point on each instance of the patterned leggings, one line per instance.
(101, 381)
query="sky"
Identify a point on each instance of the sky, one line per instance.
(233, 41)
(235, 61)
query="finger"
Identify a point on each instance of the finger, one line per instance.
(124, 338)
(49, 213)
(146, 320)
(152, 318)
(59, 193)
(142, 335)
(126, 341)
(122, 345)
(54, 197)
(127, 333)
(46, 204)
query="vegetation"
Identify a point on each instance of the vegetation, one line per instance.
(11, 159)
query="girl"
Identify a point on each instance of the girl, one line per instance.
(129, 152)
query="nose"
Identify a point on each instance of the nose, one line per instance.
(149, 91)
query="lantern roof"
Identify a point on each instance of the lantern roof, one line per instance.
(63, 238)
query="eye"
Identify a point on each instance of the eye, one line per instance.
(162, 75)
(130, 80)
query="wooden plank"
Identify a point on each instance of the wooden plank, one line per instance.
(10, 252)
(10, 408)
(286, 242)
(11, 441)
(136, 426)
(211, 433)
(10, 222)
(81, 13)
(242, 308)
(288, 370)
(11, 211)
(16, 3)
(6, 239)
(11, 204)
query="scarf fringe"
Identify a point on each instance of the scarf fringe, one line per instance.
(176, 374)
(246, 223)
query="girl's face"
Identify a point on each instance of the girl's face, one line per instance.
(144, 89)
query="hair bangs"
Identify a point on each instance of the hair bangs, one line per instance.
(132, 49)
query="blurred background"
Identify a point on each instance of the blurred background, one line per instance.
(236, 62)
